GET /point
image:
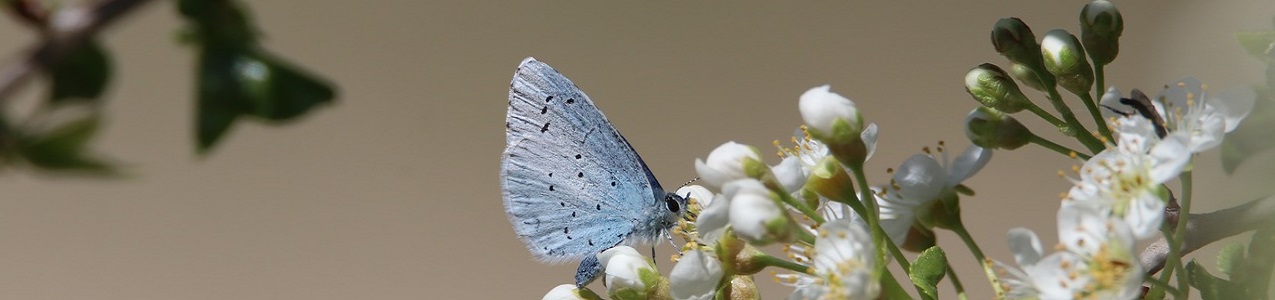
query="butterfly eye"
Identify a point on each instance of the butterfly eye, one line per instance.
(673, 206)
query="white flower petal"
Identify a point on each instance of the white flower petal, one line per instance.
(623, 265)
(820, 108)
(1234, 105)
(701, 194)
(1169, 157)
(968, 164)
(563, 292)
(726, 163)
(1025, 246)
(1111, 100)
(790, 174)
(695, 276)
(921, 177)
(712, 221)
(749, 213)
(869, 137)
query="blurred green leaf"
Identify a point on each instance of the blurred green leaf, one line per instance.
(1210, 287)
(62, 147)
(1254, 134)
(82, 75)
(236, 77)
(1259, 44)
(1230, 258)
(928, 270)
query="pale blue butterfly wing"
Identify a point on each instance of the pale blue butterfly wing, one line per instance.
(573, 186)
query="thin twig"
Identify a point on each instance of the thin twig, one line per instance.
(70, 28)
(1206, 228)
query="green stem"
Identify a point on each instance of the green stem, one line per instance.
(982, 260)
(1036, 139)
(1179, 233)
(871, 213)
(805, 236)
(1103, 129)
(772, 261)
(800, 206)
(1099, 90)
(956, 281)
(1048, 117)
(1077, 129)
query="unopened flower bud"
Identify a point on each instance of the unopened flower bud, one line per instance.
(1014, 40)
(629, 275)
(1029, 77)
(1100, 29)
(728, 162)
(992, 129)
(830, 117)
(830, 180)
(755, 214)
(833, 120)
(992, 87)
(1065, 58)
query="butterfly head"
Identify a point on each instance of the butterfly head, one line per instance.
(674, 208)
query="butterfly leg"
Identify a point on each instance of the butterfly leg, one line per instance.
(589, 270)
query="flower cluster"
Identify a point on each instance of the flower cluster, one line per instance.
(839, 233)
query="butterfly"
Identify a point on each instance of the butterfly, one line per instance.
(572, 185)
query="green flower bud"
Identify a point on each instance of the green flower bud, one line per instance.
(1065, 58)
(1029, 77)
(830, 180)
(1013, 39)
(1100, 29)
(992, 129)
(992, 87)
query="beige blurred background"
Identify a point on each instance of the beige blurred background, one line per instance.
(393, 193)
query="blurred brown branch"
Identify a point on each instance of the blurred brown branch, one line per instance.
(1206, 228)
(68, 29)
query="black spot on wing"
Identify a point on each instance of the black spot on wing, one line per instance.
(547, 99)
(580, 175)
(544, 128)
(571, 100)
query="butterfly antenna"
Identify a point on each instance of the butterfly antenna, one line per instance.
(689, 182)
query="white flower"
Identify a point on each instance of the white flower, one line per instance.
(842, 263)
(820, 109)
(1200, 118)
(1041, 277)
(563, 292)
(1106, 268)
(1095, 261)
(695, 276)
(754, 215)
(726, 163)
(920, 181)
(1125, 181)
(624, 267)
